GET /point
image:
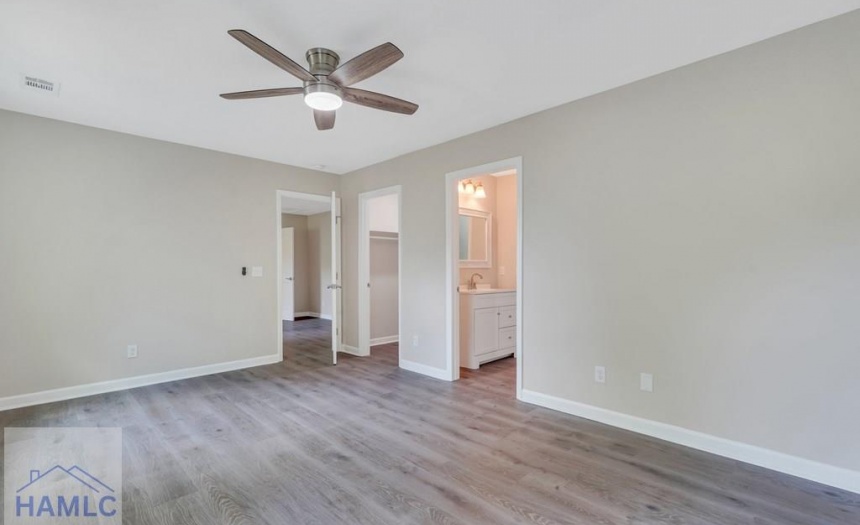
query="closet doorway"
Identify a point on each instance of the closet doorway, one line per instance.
(379, 273)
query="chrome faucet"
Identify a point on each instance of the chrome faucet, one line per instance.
(472, 284)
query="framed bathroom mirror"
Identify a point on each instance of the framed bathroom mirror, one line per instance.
(476, 238)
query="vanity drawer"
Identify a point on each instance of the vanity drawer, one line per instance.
(508, 337)
(483, 301)
(507, 316)
(492, 300)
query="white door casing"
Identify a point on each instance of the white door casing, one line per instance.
(336, 275)
(364, 265)
(288, 309)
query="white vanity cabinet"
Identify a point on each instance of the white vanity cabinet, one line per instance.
(488, 326)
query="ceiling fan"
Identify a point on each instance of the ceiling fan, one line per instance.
(326, 86)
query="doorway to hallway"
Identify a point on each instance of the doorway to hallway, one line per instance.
(309, 292)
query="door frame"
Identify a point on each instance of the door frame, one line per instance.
(278, 248)
(293, 278)
(452, 271)
(364, 268)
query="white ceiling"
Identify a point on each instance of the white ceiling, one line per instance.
(155, 68)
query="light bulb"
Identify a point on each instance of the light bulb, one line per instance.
(323, 101)
(323, 96)
(480, 193)
(469, 187)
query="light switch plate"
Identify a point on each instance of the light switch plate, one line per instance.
(131, 351)
(646, 382)
(600, 374)
(256, 271)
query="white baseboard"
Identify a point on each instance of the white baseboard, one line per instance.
(353, 350)
(384, 340)
(432, 371)
(72, 392)
(770, 459)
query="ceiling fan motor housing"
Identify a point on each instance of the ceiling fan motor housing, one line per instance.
(322, 61)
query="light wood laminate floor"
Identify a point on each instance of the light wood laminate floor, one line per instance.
(304, 442)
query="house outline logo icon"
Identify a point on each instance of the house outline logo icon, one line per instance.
(102, 502)
(75, 472)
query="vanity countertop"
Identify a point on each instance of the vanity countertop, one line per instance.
(481, 291)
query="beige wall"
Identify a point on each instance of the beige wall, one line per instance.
(506, 231)
(319, 256)
(383, 285)
(301, 269)
(701, 225)
(108, 240)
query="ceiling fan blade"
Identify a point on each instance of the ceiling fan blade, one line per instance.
(324, 119)
(271, 54)
(366, 64)
(378, 101)
(262, 93)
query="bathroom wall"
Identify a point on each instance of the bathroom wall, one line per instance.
(487, 205)
(506, 231)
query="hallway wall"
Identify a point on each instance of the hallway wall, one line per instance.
(301, 262)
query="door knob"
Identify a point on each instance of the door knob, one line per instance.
(288, 278)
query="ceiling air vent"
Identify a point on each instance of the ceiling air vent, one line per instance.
(42, 86)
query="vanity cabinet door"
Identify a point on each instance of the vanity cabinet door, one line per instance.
(485, 330)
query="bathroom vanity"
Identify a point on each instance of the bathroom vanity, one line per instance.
(488, 326)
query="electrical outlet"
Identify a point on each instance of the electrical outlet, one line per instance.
(646, 382)
(501, 270)
(600, 374)
(415, 341)
(131, 351)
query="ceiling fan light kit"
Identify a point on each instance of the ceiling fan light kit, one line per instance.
(326, 82)
(323, 96)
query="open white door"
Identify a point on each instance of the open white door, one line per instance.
(288, 307)
(335, 286)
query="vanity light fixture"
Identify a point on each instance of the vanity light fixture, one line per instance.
(469, 187)
(480, 193)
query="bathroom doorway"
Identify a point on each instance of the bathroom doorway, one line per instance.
(379, 273)
(484, 271)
